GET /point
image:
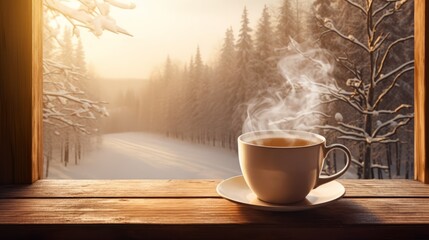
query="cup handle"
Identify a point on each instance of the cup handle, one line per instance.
(326, 149)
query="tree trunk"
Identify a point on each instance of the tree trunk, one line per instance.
(398, 159)
(66, 150)
(79, 150)
(367, 156)
(48, 159)
(367, 172)
(389, 158)
(62, 150)
(75, 152)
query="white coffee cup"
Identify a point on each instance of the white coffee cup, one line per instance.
(280, 170)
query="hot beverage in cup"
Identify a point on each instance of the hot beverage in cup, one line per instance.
(284, 166)
(283, 142)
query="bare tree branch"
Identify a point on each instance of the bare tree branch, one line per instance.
(388, 3)
(358, 129)
(405, 119)
(390, 122)
(388, 50)
(357, 6)
(378, 43)
(379, 166)
(351, 138)
(67, 95)
(396, 110)
(76, 126)
(328, 24)
(342, 131)
(394, 71)
(390, 87)
(388, 13)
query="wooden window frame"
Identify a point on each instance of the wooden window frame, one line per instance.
(21, 98)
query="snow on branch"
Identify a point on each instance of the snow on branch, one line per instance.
(360, 136)
(389, 12)
(396, 110)
(394, 71)
(53, 117)
(355, 139)
(91, 14)
(391, 86)
(58, 85)
(350, 66)
(329, 25)
(373, 165)
(386, 14)
(379, 41)
(393, 124)
(379, 166)
(389, 49)
(351, 127)
(377, 11)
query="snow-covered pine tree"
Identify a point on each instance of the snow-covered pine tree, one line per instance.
(227, 87)
(285, 28)
(265, 61)
(200, 87)
(245, 56)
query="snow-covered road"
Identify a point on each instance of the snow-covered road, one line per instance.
(149, 156)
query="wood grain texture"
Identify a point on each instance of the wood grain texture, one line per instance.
(216, 231)
(20, 61)
(37, 91)
(192, 211)
(187, 188)
(159, 209)
(421, 105)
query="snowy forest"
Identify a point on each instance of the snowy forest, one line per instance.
(363, 98)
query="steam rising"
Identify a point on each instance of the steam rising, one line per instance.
(297, 105)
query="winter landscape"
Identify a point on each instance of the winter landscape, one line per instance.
(161, 89)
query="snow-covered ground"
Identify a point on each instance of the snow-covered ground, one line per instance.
(138, 155)
(149, 156)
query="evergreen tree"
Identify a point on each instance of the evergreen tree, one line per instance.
(200, 87)
(225, 89)
(79, 57)
(245, 55)
(66, 55)
(227, 61)
(265, 60)
(286, 27)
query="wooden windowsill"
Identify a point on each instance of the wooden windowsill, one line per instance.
(109, 209)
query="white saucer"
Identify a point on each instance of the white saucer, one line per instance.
(235, 189)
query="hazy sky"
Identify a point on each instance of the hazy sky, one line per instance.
(167, 27)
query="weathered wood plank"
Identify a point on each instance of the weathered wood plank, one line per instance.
(112, 188)
(384, 188)
(188, 188)
(209, 211)
(207, 231)
(216, 231)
